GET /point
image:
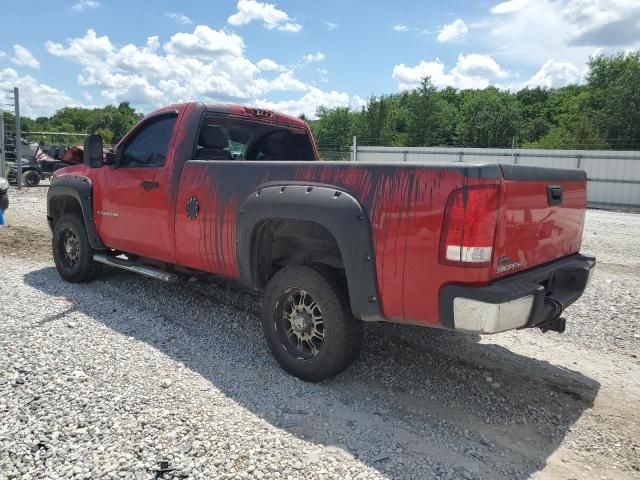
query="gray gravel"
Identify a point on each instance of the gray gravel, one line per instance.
(110, 379)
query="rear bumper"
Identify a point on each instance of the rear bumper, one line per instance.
(531, 298)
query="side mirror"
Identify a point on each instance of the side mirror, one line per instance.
(110, 157)
(93, 151)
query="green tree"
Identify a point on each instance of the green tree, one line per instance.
(333, 132)
(534, 121)
(430, 116)
(575, 126)
(614, 84)
(373, 125)
(488, 118)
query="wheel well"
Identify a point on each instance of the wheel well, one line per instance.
(280, 242)
(63, 204)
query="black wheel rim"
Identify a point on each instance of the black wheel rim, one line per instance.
(69, 248)
(299, 323)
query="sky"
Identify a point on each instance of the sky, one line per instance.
(294, 55)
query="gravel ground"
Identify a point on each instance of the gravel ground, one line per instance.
(110, 379)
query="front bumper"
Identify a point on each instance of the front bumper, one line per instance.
(535, 297)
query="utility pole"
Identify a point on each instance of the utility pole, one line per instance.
(2, 157)
(16, 102)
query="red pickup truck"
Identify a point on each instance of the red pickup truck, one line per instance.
(240, 192)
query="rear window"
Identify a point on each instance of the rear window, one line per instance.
(224, 138)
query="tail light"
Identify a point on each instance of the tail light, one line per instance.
(469, 226)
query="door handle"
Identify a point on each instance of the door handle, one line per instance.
(149, 185)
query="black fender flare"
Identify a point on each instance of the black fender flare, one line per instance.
(336, 210)
(79, 188)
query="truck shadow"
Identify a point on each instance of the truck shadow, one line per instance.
(418, 400)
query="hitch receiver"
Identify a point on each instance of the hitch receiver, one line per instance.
(556, 324)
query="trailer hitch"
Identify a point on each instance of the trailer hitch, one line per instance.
(554, 321)
(557, 324)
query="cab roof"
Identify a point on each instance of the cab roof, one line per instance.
(255, 113)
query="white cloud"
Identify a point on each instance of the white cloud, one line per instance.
(324, 74)
(204, 65)
(22, 56)
(2, 54)
(401, 28)
(266, 64)
(357, 102)
(471, 71)
(477, 65)
(36, 99)
(85, 5)
(86, 50)
(205, 43)
(313, 57)
(603, 22)
(530, 33)
(284, 82)
(330, 25)
(179, 18)
(272, 17)
(508, 7)
(308, 103)
(555, 74)
(453, 32)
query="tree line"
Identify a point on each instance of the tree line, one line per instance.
(110, 122)
(602, 113)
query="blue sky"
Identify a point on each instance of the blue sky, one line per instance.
(293, 55)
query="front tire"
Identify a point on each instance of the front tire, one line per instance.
(72, 253)
(308, 323)
(31, 178)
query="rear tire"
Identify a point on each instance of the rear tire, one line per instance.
(31, 178)
(72, 253)
(308, 323)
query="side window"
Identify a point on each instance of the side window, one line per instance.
(148, 147)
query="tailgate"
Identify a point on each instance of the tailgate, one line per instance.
(541, 217)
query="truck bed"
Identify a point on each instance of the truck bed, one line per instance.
(404, 204)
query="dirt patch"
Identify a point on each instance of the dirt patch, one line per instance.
(18, 240)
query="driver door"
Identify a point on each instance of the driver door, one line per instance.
(132, 211)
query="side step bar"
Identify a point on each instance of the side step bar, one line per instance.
(134, 267)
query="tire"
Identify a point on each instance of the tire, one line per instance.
(331, 327)
(72, 253)
(31, 178)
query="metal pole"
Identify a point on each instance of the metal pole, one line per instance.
(2, 158)
(16, 101)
